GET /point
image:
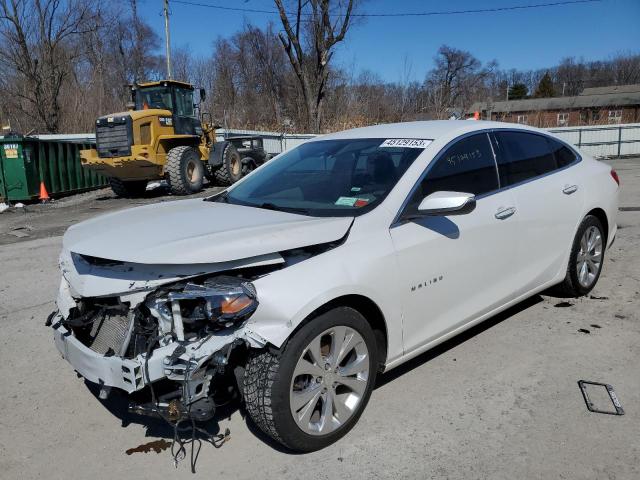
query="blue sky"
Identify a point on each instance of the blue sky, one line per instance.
(522, 39)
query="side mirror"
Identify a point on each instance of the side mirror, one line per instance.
(203, 94)
(447, 203)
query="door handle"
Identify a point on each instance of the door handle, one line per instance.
(503, 213)
(569, 189)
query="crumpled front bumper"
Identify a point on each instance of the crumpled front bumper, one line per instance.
(110, 371)
(130, 374)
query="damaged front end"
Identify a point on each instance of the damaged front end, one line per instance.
(176, 338)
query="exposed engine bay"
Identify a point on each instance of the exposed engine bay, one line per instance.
(184, 332)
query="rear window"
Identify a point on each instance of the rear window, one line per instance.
(564, 155)
(522, 156)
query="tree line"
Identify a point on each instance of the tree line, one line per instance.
(63, 63)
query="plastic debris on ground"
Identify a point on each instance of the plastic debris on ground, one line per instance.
(21, 232)
(3, 207)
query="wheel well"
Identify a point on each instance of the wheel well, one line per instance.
(166, 144)
(369, 310)
(602, 216)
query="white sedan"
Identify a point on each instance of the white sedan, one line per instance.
(339, 259)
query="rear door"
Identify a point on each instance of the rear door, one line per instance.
(548, 195)
(455, 268)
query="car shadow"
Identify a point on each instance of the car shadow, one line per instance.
(117, 403)
(447, 345)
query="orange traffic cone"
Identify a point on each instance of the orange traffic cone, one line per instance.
(44, 196)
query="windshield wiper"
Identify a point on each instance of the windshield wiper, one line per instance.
(273, 206)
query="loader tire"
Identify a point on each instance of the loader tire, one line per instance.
(130, 189)
(185, 170)
(231, 169)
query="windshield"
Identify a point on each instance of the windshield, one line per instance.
(328, 178)
(154, 97)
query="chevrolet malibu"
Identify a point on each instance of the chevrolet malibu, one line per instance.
(337, 260)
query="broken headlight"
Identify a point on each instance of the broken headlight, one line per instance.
(224, 300)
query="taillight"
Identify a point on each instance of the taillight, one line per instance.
(614, 175)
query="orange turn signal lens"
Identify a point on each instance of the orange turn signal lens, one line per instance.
(235, 304)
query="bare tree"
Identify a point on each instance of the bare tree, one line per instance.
(38, 46)
(454, 81)
(309, 39)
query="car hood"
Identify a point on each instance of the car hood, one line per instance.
(197, 231)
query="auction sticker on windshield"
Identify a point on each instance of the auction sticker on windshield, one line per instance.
(405, 143)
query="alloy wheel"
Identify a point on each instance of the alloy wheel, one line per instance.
(329, 380)
(589, 260)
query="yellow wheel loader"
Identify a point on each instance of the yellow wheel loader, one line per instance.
(161, 137)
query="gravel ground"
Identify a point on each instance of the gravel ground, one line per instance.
(501, 401)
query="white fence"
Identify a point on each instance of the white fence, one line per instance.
(608, 141)
(273, 142)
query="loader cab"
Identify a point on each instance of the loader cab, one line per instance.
(177, 97)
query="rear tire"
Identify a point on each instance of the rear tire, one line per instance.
(231, 169)
(585, 260)
(279, 387)
(185, 170)
(128, 189)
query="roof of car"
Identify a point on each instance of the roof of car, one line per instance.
(432, 129)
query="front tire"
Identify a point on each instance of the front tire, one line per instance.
(585, 260)
(185, 170)
(312, 392)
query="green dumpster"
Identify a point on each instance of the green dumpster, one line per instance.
(27, 161)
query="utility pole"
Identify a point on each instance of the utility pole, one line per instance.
(167, 37)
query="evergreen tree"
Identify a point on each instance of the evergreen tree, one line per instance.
(518, 91)
(545, 87)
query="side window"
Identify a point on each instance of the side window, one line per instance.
(467, 166)
(564, 155)
(522, 156)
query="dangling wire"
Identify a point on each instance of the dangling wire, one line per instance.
(180, 452)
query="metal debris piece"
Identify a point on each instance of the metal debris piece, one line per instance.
(612, 395)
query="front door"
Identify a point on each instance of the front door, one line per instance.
(455, 268)
(184, 117)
